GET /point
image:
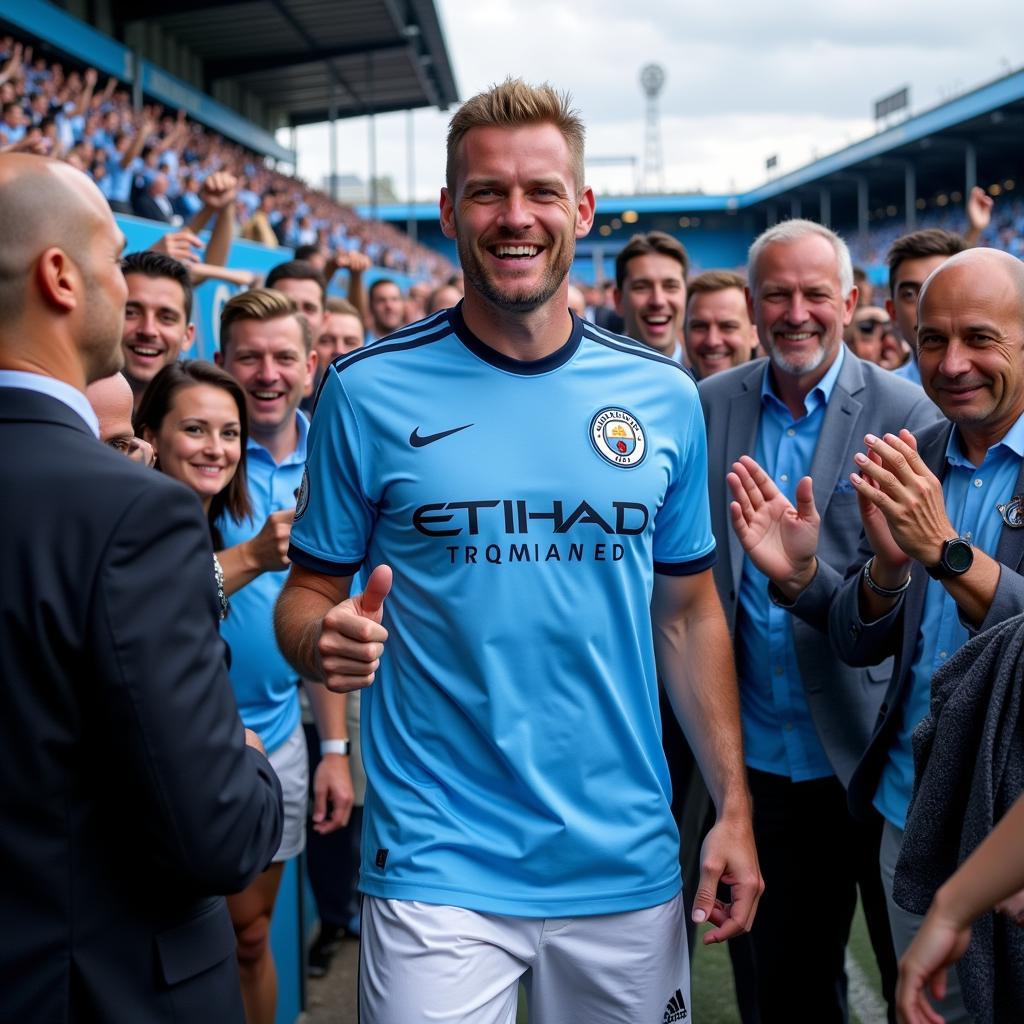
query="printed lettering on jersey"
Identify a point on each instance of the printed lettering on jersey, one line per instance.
(618, 437)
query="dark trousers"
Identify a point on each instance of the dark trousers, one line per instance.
(813, 855)
(332, 860)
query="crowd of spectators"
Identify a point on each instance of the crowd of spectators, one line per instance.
(153, 163)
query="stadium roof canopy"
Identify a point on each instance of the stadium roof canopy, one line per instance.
(308, 58)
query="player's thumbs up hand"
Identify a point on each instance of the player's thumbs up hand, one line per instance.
(352, 638)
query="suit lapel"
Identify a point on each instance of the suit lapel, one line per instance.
(741, 439)
(836, 435)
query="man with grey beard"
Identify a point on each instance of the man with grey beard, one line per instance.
(807, 718)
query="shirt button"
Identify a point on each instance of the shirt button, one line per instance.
(784, 478)
(967, 535)
(789, 727)
(778, 670)
(942, 654)
(791, 432)
(977, 483)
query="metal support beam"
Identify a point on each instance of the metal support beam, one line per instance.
(333, 136)
(825, 207)
(372, 126)
(862, 205)
(970, 168)
(412, 33)
(795, 208)
(410, 171)
(910, 194)
(232, 67)
(772, 215)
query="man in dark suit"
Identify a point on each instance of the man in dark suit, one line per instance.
(807, 717)
(130, 795)
(152, 202)
(943, 550)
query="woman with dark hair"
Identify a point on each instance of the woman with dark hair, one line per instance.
(193, 414)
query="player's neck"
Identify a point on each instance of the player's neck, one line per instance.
(526, 336)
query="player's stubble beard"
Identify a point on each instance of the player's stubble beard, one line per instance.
(560, 253)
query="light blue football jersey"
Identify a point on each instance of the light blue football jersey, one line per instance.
(512, 737)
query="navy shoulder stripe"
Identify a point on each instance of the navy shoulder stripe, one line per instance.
(630, 350)
(612, 336)
(382, 347)
(427, 323)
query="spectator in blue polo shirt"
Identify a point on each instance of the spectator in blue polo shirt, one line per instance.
(267, 347)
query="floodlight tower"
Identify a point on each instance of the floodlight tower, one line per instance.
(652, 80)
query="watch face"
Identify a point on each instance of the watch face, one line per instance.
(958, 556)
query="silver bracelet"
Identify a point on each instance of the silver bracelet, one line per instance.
(222, 599)
(878, 589)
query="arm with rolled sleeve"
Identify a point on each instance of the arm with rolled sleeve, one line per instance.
(210, 803)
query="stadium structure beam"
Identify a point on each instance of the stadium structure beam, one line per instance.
(412, 32)
(235, 66)
(310, 42)
(910, 194)
(126, 11)
(320, 114)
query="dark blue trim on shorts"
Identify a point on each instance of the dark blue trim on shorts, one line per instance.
(315, 564)
(521, 367)
(687, 568)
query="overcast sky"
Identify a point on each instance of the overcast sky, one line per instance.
(744, 79)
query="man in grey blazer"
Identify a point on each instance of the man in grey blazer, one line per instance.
(943, 549)
(807, 717)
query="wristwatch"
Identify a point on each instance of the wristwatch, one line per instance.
(335, 747)
(957, 557)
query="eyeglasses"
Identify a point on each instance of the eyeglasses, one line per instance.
(870, 326)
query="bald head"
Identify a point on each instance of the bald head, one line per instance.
(43, 203)
(111, 399)
(62, 293)
(984, 263)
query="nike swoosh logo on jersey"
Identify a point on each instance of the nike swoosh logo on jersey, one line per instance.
(418, 440)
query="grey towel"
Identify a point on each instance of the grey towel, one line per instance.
(968, 771)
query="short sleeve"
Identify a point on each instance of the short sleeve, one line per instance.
(683, 541)
(333, 516)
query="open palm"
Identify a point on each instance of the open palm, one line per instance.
(779, 538)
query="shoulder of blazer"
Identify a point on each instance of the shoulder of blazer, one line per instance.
(735, 381)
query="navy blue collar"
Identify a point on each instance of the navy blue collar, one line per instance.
(523, 367)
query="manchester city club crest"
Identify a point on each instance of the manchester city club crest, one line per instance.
(302, 495)
(1013, 512)
(618, 437)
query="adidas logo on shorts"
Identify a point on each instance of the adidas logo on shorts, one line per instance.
(676, 1009)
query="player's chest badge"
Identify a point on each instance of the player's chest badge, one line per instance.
(618, 437)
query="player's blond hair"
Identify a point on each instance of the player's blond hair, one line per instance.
(514, 104)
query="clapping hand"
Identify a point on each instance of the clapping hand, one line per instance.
(780, 540)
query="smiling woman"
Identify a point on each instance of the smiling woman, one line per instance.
(193, 414)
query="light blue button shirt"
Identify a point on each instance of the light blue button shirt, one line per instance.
(63, 392)
(778, 732)
(971, 494)
(263, 681)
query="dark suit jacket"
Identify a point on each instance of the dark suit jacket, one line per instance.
(860, 643)
(843, 701)
(128, 799)
(144, 205)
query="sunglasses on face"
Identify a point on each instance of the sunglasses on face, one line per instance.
(870, 326)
